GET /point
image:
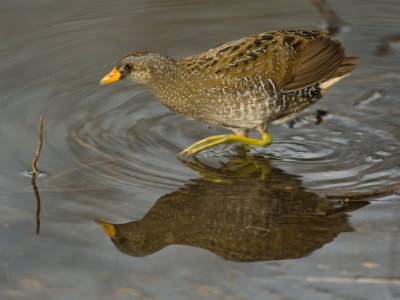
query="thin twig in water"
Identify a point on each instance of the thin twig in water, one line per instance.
(39, 148)
(84, 144)
(388, 190)
(75, 169)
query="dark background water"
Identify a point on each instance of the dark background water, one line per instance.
(255, 228)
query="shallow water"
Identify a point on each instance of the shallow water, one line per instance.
(224, 226)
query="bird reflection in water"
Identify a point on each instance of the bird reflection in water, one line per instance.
(244, 210)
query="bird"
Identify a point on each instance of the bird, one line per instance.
(242, 85)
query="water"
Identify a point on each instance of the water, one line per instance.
(223, 226)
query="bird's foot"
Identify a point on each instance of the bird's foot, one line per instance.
(212, 141)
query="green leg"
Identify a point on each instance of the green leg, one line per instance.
(211, 141)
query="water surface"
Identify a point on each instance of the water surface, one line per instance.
(224, 226)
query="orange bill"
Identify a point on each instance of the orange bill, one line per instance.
(108, 228)
(114, 75)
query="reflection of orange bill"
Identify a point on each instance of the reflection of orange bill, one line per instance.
(108, 228)
(114, 75)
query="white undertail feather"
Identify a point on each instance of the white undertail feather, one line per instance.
(326, 85)
(346, 66)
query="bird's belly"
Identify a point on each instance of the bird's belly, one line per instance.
(241, 112)
(253, 112)
(237, 113)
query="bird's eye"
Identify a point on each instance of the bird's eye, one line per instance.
(128, 67)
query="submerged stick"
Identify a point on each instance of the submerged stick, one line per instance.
(35, 171)
(383, 191)
(104, 154)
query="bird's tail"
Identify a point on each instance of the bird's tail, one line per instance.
(346, 66)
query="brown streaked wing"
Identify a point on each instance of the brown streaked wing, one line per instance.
(284, 60)
(318, 61)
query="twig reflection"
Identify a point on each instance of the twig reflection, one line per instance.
(38, 202)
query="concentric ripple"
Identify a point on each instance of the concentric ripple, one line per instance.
(354, 152)
(140, 152)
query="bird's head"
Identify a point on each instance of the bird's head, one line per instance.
(137, 67)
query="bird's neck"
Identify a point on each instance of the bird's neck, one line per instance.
(169, 83)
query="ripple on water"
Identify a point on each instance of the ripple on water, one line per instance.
(144, 145)
(341, 158)
(141, 150)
